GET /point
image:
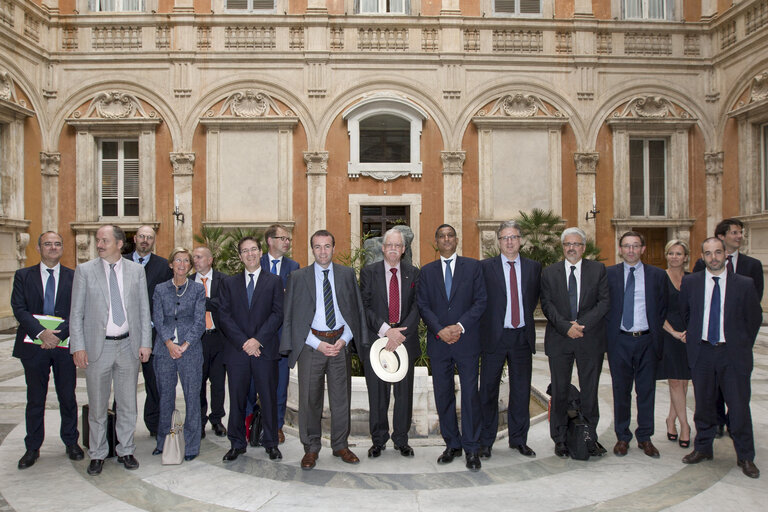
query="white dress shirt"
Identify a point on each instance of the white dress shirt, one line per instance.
(387, 280)
(577, 272)
(518, 272)
(112, 329)
(709, 286)
(318, 322)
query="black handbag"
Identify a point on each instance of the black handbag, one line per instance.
(111, 433)
(577, 438)
(256, 434)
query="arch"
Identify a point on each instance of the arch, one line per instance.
(738, 87)
(31, 92)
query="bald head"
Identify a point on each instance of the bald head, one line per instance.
(202, 259)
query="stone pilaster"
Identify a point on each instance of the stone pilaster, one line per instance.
(453, 170)
(183, 172)
(713, 169)
(317, 171)
(49, 169)
(586, 172)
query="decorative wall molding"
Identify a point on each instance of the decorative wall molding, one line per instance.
(316, 162)
(250, 104)
(453, 161)
(49, 163)
(183, 163)
(652, 107)
(115, 105)
(520, 105)
(713, 163)
(759, 88)
(586, 163)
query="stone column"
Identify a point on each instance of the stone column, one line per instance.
(49, 169)
(183, 171)
(453, 170)
(713, 169)
(317, 170)
(586, 172)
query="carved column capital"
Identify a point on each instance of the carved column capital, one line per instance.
(453, 161)
(49, 163)
(586, 163)
(22, 240)
(183, 164)
(316, 161)
(713, 163)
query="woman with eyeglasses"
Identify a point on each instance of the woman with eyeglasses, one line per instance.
(674, 364)
(179, 318)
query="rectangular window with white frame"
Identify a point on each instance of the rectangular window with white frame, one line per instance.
(117, 5)
(382, 6)
(647, 177)
(517, 7)
(646, 9)
(250, 5)
(119, 170)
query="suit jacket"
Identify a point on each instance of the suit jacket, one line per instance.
(594, 303)
(286, 267)
(465, 306)
(375, 296)
(90, 308)
(261, 321)
(745, 266)
(183, 315)
(742, 317)
(492, 321)
(157, 271)
(27, 300)
(655, 303)
(212, 302)
(300, 302)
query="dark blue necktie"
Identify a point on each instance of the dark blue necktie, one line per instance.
(573, 297)
(330, 315)
(249, 290)
(628, 314)
(448, 278)
(49, 301)
(713, 332)
(274, 267)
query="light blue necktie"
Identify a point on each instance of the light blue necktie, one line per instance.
(49, 301)
(118, 317)
(274, 267)
(713, 332)
(448, 278)
(249, 290)
(628, 313)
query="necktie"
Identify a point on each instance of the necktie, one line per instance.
(394, 298)
(713, 332)
(249, 290)
(628, 314)
(330, 315)
(118, 317)
(208, 317)
(274, 267)
(141, 261)
(448, 278)
(729, 264)
(49, 300)
(573, 297)
(514, 300)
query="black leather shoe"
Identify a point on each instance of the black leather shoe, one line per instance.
(561, 450)
(748, 468)
(375, 450)
(28, 459)
(75, 452)
(190, 457)
(157, 451)
(525, 450)
(232, 454)
(720, 431)
(448, 455)
(219, 430)
(473, 462)
(695, 457)
(597, 450)
(485, 452)
(94, 468)
(405, 450)
(274, 453)
(129, 461)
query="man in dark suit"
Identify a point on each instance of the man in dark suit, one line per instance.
(723, 316)
(635, 341)
(157, 271)
(388, 289)
(279, 243)
(508, 335)
(575, 300)
(731, 232)
(451, 297)
(323, 314)
(45, 289)
(250, 314)
(213, 341)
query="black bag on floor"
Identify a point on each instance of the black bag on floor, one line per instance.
(578, 438)
(111, 434)
(256, 434)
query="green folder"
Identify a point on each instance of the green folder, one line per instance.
(49, 322)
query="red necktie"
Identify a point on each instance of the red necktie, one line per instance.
(208, 317)
(513, 298)
(394, 298)
(729, 263)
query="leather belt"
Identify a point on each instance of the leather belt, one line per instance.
(635, 334)
(716, 345)
(329, 335)
(117, 338)
(211, 331)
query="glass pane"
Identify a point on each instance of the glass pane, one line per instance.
(530, 6)
(633, 9)
(131, 149)
(109, 178)
(263, 4)
(109, 150)
(636, 182)
(109, 207)
(131, 178)
(368, 6)
(385, 139)
(656, 177)
(506, 6)
(655, 9)
(131, 208)
(396, 6)
(237, 4)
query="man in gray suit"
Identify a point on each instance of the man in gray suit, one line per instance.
(110, 333)
(323, 313)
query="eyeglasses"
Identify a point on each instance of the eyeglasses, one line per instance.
(145, 237)
(251, 250)
(634, 247)
(393, 246)
(52, 244)
(510, 238)
(573, 245)
(281, 238)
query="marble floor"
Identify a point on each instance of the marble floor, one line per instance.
(507, 481)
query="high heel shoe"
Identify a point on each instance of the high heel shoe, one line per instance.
(684, 443)
(670, 436)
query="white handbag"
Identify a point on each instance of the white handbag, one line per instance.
(173, 447)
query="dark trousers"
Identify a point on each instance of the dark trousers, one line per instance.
(37, 371)
(445, 401)
(633, 361)
(379, 393)
(213, 370)
(516, 352)
(713, 370)
(283, 376)
(588, 366)
(263, 373)
(152, 402)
